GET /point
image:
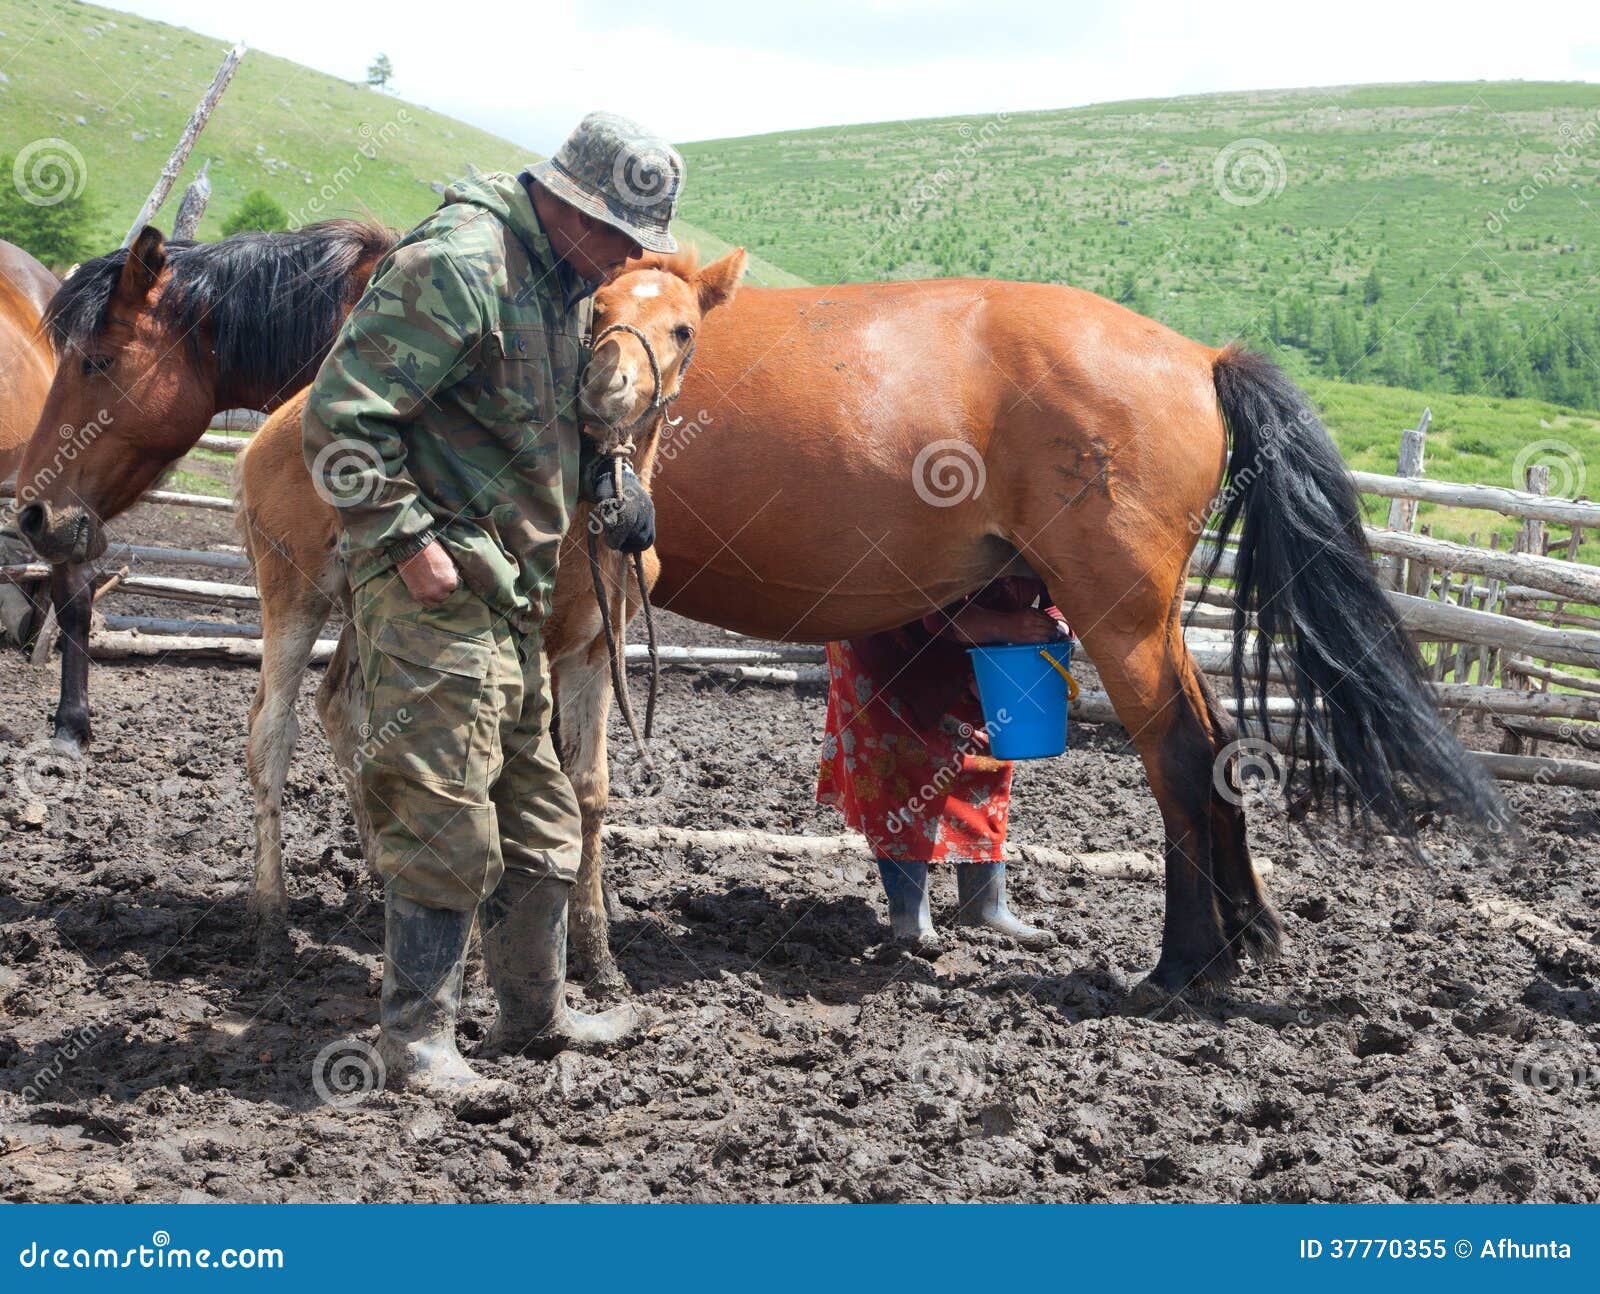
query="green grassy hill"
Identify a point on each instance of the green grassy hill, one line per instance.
(1366, 233)
(118, 88)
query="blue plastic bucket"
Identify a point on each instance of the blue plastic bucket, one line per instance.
(1024, 697)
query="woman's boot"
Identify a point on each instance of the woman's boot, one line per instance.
(905, 885)
(981, 890)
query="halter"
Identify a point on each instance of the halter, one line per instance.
(660, 402)
(621, 446)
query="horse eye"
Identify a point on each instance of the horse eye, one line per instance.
(94, 365)
(683, 334)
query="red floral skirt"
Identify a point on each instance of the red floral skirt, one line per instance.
(920, 788)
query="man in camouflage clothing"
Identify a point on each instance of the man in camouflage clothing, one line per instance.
(444, 427)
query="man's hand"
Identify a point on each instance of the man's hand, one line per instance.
(628, 520)
(976, 626)
(429, 574)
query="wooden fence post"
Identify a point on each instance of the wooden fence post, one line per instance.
(180, 152)
(1530, 539)
(1403, 512)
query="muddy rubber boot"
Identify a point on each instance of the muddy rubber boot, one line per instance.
(905, 885)
(423, 955)
(981, 891)
(524, 926)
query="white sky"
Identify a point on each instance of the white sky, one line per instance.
(702, 69)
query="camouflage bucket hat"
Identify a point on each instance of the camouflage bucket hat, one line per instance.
(619, 173)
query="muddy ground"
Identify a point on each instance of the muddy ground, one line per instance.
(1431, 1033)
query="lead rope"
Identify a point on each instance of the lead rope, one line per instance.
(622, 449)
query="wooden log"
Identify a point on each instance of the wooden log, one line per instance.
(1559, 677)
(1565, 646)
(173, 589)
(222, 444)
(1571, 734)
(1120, 864)
(181, 628)
(177, 499)
(180, 152)
(1477, 698)
(192, 206)
(1543, 770)
(1494, 498)
(125, 645)
(1548, 576)
(222, 561)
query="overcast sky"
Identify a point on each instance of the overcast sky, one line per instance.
(702, 69)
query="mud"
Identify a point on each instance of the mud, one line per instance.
(1430, 1034)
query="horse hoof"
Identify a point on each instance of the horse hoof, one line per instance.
(70, 744)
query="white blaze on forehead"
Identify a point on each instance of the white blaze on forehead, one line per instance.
(647, 290)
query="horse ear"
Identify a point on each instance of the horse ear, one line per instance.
(146, 259)
(717, 283)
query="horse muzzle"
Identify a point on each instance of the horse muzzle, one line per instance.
(61, 535)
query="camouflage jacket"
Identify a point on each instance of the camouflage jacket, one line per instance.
(447, 407)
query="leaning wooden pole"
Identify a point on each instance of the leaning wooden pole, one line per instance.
(185, 145)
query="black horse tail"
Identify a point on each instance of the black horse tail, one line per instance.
(1362, 708)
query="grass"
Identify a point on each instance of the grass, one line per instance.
(118, 89)
(1412, 183)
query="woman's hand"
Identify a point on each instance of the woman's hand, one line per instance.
(977, 626)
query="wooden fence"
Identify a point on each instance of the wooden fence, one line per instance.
(1508, 634)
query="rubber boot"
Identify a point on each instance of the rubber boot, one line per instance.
(524, 925)
(981, 891)
(905, 885)
(424, 950)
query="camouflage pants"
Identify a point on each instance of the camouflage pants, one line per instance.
(458, 773)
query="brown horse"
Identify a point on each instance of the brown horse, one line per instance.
(153, 342)
(862, 454)
(26, 363)
(291, 533)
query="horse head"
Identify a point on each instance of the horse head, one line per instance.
(646, 318)
(152, 341)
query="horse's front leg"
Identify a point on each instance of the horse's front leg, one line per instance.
(72, 595)
(583, 702)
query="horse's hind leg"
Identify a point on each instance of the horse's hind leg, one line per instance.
(339, 709)
(289, 631)
(1249, 921)
(583, 701)
(1128, 621)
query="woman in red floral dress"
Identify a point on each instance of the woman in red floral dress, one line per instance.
(905, 757)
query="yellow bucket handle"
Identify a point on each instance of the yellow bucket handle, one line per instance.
(1072, 683)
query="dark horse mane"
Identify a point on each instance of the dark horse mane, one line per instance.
(267, 305)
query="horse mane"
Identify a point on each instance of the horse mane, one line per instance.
(267, 305)
(684, 263)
